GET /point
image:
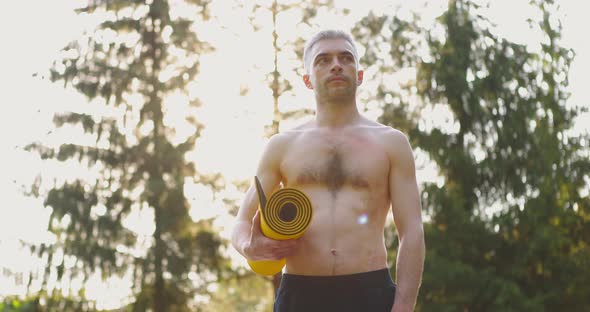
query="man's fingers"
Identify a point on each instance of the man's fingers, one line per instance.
(286, 246)
(280, 244)
(285, 252)
(268, 248)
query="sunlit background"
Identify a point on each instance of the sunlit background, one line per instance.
(34, 31)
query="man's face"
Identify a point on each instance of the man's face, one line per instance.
(332, 69)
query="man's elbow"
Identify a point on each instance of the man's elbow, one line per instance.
(235, 234)
(239, 232)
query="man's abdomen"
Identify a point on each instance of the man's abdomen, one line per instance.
(345, 235)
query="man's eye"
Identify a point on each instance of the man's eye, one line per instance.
(322, 60)
(347, 58)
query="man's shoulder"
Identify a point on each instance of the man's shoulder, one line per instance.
(287, 136)
(394, 134)
(292, 133)
(384, 131)
(393, 140)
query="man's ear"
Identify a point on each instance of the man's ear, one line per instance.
(307, 81)
(359, 78)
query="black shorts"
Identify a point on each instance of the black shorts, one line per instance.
(362, 292)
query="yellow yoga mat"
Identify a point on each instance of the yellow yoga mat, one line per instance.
(286, 215)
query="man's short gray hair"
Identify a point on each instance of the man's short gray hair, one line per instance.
(326, 35)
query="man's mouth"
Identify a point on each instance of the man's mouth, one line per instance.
(336, 79)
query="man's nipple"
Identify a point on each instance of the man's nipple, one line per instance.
(333, 251)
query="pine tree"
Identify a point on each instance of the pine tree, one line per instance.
(140, 55)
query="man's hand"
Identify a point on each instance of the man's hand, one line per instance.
(260, 247)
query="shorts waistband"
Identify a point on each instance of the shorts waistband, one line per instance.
(376, 278)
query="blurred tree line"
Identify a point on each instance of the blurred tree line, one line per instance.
(506, 230)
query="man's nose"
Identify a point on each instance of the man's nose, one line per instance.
(336, 66)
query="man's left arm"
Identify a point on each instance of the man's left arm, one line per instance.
(407, 216)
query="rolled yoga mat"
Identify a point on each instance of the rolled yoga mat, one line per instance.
(286, 215)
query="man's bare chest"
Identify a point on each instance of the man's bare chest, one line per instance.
(336, 162)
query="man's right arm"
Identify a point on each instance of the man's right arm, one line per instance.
(247, 238)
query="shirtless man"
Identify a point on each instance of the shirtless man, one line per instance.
(353, 170)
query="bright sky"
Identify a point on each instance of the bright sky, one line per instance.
(33, 31)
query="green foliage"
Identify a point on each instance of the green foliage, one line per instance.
(10, 304)
(248, 293)
(45, 302)
(509, 229)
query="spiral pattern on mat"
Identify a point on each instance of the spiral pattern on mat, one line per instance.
(288, 197)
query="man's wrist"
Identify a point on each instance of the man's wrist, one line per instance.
(402, 303)
(400, 307)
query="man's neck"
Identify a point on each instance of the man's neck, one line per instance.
(337, 113)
